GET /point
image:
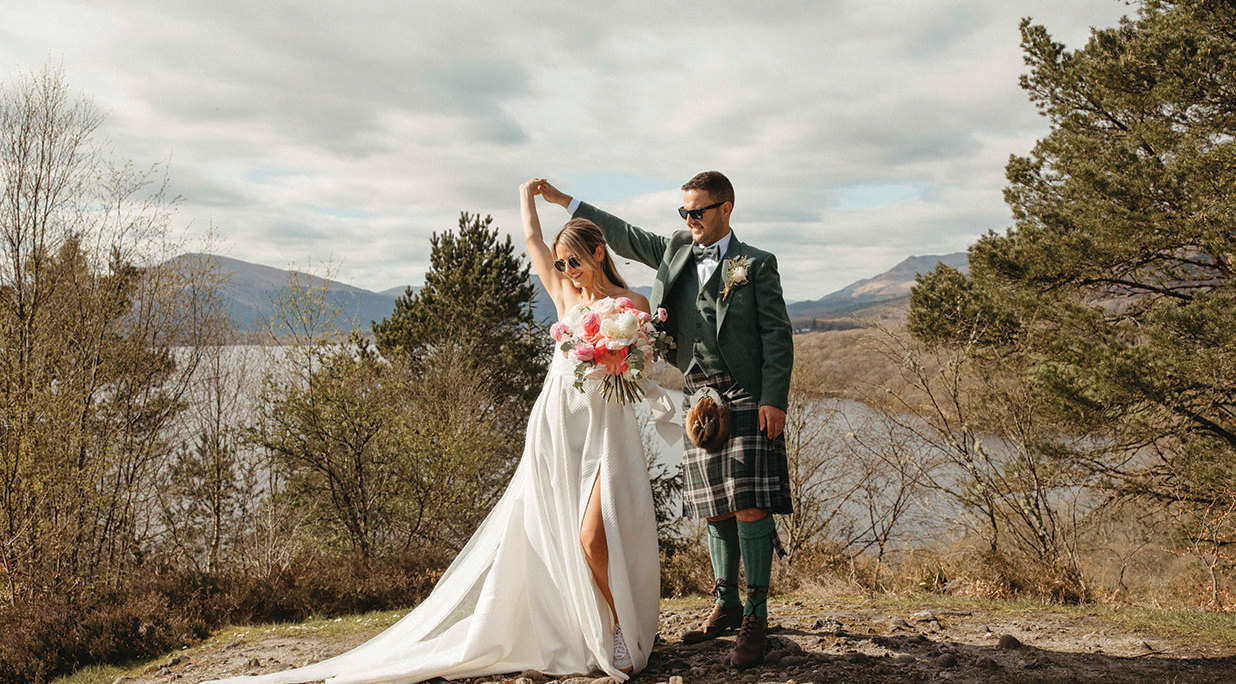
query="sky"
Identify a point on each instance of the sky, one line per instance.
(337, 137)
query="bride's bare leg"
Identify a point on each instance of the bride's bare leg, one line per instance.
(596, 549)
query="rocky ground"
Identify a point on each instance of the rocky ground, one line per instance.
(822, 640)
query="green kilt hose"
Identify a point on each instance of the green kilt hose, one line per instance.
(750, 471)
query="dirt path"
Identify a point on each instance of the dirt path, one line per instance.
(819, 640)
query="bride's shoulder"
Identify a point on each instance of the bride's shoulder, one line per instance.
(639, 300)
(566, 302)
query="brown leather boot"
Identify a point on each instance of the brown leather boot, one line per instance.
(751, 643)
(719, 622)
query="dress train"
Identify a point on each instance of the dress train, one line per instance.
(520, 594)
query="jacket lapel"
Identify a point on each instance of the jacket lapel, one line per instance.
(674, 269)
(736, 249)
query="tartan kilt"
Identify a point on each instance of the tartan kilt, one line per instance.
(749, 471)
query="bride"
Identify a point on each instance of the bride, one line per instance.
(562, 576)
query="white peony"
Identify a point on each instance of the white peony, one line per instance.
(621, 329)
(602, 307)
(571, 319)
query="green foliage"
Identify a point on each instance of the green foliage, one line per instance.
(945, 306)
(1096, 333)
(383, 460)
(84, 398)
(477, 298)
(1118, 270)
(98, 344)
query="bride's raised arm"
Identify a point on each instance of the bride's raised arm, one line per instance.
(538, 251)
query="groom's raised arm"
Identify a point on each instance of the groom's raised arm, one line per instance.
(625, 239)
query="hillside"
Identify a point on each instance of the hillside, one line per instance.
(878, 297)
(250, 289)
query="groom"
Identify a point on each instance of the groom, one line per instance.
(727, 314)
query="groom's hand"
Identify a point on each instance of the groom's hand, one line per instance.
(552, 194)
(772, 421)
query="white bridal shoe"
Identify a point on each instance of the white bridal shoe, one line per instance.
(622, 657)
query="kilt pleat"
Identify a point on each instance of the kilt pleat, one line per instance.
(748, 471)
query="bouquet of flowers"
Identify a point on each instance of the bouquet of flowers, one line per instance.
(612, 341)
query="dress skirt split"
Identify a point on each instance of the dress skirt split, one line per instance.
(520, 595)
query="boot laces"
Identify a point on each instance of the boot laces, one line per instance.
(622, 656)
(749, 625)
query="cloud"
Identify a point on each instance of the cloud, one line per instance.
(855, 133)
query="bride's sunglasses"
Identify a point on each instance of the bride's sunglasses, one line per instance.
(561, 264)
(697, 214)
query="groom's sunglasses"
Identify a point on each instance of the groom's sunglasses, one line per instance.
(697, 214)
(561, 264)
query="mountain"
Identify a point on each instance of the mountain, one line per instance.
(876, 295)
(248, 290)
(398, 290)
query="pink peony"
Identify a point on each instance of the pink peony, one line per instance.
(591, 323)
(662, 314)
(584, 352)
(623, 303)
(614, 360)
(558, 331)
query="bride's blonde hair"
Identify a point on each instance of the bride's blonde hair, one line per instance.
(581, 238)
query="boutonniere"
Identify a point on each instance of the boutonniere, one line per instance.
(736, 271)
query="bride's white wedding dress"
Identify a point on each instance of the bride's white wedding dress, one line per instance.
(520, 595)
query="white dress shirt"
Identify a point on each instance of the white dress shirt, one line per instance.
(704, 266)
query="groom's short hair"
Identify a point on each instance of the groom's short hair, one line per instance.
(714, 183)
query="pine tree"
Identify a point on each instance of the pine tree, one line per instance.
(1115, 285)
(477, 300)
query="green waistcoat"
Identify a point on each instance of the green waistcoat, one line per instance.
(698, 307)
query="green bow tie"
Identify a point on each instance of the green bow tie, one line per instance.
(712, 252)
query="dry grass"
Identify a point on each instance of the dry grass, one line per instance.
(1163, 622)
(364, 623)
(851, 364)
(856, 609)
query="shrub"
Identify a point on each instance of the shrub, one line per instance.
(150, 613)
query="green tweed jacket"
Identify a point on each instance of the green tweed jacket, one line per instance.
(753, 327)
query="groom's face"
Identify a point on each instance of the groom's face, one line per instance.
(715, 222)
